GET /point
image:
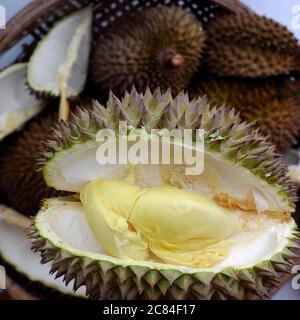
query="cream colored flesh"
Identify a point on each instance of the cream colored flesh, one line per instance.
(174, 225)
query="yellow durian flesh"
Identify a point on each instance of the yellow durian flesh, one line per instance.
(164, 223)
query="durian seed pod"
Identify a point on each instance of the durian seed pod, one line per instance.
(21, 183)
(157, 47)
(248, 45)
(271, 104)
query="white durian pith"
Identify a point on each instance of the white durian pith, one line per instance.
(219, 178)
(63, 56)
(17, 105)
(242, 176)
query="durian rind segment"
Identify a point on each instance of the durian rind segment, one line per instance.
(15, 252)
(105, 277)
(226, 138)
(59, 63)
(17, 105)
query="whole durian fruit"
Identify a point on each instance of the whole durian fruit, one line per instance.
(160, 46)
(270, 103)
(21, 183)
(152, 231)
(248, 45)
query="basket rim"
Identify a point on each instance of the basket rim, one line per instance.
(27, 18)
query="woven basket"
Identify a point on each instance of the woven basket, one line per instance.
(35, 20)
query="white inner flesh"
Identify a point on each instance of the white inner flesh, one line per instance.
(17, 105)
(72, 169)
(60, 61)
(260, 238)
(15, 250)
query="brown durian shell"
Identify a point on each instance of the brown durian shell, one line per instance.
(21, 183)
(248, 45)
(270, 103)
(134, 51)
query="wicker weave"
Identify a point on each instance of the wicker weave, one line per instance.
(35, 20)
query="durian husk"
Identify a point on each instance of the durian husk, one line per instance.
(271, 103)
(21, 183)
(248, 45)
(158, 47)
(225, 134)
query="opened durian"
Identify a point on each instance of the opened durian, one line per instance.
(150, 231)
(17, 105)
(270, 103)
(21, 183)
(249, 45)
(160, 46)
(58, 65)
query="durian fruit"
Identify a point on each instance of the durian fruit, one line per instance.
(270, 103)
(58, 65)
(22, 263)
(248, 45)
(160, 46)
(152, 230)
(17, 105)
(21, 183)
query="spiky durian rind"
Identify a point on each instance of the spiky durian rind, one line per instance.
(20, 106)
(271, 103)
(242, 61)
(249, 45)
(22, 269)
(160, 46)
(108, 278)
(225, 133)
(20, 181)
(34, 289)
(254, 30)
(75, 61)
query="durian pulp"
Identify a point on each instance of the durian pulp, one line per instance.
(164, 224)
